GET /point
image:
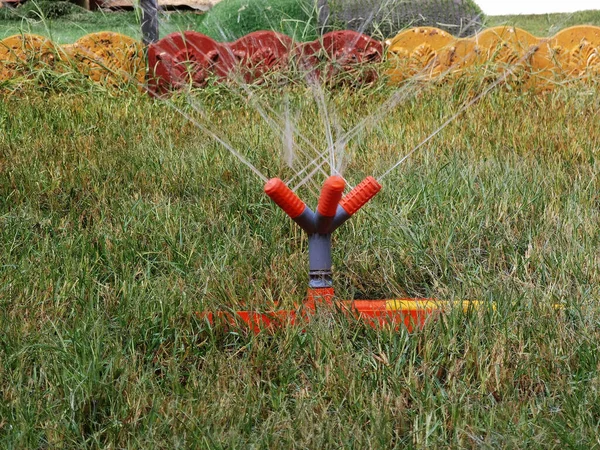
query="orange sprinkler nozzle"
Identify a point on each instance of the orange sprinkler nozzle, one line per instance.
(330, 196)
(284, 197)
(360, 195)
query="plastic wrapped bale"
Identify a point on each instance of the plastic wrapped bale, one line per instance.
(385, 18)
(229, 20)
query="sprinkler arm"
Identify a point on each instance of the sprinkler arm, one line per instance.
(332, 212)
(354, 200)
(291, 204)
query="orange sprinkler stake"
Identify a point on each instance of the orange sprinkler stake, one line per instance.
(330, 196)
(360, 195)
(284, 197)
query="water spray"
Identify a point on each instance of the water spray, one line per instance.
(333, 209)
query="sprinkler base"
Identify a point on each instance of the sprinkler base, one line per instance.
(409, 313)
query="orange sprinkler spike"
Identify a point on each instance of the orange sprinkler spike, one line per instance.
(284, 197)
(361, 194)
(330, 196)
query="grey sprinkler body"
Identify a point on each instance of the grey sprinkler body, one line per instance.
(319, 225)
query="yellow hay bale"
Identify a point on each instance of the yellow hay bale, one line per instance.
(109, 58)
(541, 62)
(22, 54)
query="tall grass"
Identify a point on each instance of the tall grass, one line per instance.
(118, 221)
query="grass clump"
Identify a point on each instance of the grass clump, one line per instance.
(49, 9)
(43, 10)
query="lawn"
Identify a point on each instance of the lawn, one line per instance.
(68, 29)
(119, 220)
(547, 24)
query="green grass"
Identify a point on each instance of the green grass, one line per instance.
(119, 220)
(547, 24)
(68, 29)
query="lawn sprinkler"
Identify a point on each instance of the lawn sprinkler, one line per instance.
(332, 211)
